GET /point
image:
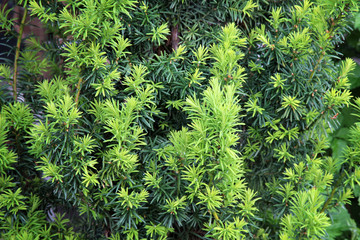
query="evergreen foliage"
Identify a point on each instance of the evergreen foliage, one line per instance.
(176, 120)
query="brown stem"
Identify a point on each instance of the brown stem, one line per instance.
(78, 92)
(215, 216)
(333, 192)
(316, 65)
(175, 37)
(17, 53)
(331, 31)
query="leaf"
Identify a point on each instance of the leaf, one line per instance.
(341, 223)
(160, 33)
(342, 133)
(357, 21)
(354, 78)
(338, 146)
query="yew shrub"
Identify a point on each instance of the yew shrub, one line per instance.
(176, 120)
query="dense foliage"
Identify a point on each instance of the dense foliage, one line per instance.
(176, 120)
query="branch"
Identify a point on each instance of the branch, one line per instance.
(175, 37)
(17, 53)
(78, 92)
(333, 192)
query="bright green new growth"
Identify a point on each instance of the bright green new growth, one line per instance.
(176, 120)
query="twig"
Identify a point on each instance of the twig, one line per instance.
(333, 192)
(17, 53)
(78, 92)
